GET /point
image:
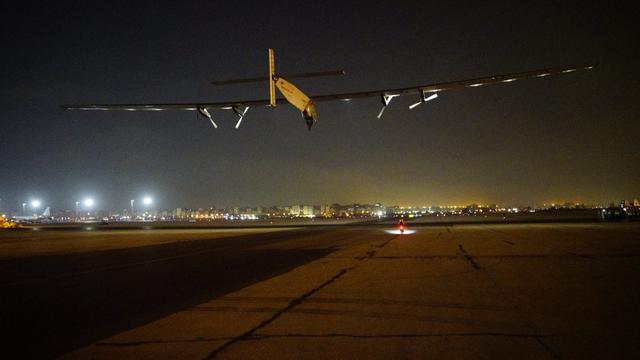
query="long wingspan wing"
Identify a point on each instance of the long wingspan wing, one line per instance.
(429, 88)
(459, 84)
(161, 107)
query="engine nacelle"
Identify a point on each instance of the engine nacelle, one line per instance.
(310, 115)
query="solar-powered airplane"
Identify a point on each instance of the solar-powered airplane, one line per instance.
(306, 104)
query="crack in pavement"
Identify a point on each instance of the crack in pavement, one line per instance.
(251, 332)
(468, 257)
(548, 349)
(516, 304)
(275, 316)
(386, 242)
(372, 253)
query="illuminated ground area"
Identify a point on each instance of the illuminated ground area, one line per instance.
(463, 291)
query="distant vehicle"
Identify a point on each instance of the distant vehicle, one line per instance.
(103, 221)
(44, 217)
(306, 104)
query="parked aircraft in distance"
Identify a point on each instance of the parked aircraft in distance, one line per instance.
(306, 104)
(45, 216)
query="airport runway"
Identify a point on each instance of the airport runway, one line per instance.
(463, 291)
(54, 304)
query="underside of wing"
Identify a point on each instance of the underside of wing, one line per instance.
(162, 107)
(458, 84)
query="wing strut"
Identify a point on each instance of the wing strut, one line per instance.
(386, 100)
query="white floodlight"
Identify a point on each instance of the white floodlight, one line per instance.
(35, 204)
(88, 202)
(147, 200)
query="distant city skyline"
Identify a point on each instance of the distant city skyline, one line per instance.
(36, 205)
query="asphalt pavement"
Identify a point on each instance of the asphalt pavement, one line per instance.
(462, 291)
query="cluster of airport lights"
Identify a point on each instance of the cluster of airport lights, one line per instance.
(35, 204)
(87, 203)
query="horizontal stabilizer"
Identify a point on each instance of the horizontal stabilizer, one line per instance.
(287, 76)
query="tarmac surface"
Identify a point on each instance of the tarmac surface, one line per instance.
(456, 291)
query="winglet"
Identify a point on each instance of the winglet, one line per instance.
(272, 82)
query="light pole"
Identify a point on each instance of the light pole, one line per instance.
(77, 206)
(132, 201)
(24, 211)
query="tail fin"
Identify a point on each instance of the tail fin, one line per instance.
(47, 212)
(272, 81)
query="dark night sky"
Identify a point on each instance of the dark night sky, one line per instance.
(565, 138)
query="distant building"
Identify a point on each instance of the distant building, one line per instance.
(302, 210)
(180, 214)
(326, 211)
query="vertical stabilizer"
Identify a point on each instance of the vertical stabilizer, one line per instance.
(272, 82)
